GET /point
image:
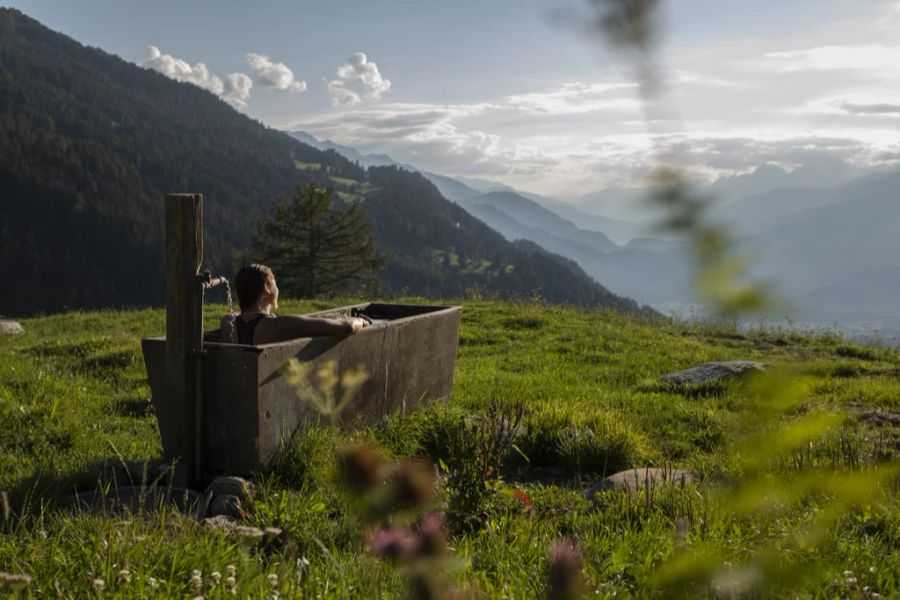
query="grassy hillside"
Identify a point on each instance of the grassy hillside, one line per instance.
(73, 392)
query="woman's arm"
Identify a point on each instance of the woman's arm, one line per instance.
(289, 327)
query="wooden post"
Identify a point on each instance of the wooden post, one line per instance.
(184, 327)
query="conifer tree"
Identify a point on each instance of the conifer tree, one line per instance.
(317, 248)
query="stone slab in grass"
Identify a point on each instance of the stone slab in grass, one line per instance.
(10, 327)
(714, 372)
(634, 480)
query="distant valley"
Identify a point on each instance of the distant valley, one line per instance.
(831, 252)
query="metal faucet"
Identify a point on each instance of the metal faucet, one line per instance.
(208, 281)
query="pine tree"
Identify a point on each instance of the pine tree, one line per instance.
(317, 248)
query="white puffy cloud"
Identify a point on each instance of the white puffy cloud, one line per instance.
(275, 75)
(357, 79)
(235, 89)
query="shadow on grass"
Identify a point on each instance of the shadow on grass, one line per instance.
(108, 485)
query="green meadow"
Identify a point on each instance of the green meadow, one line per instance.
(795, 489)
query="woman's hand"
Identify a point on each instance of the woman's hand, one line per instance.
(356, 324)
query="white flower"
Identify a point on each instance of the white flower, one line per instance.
(272, 578)
(851, 581)
(229, 581)
(99, 585)
(196, 573)
(848, 573)
(196, 582)
(216, 577)
(230, 570)
(124, 576)
(152, 583)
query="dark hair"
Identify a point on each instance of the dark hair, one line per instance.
(250, 283)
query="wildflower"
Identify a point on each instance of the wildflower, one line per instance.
(851, 581)
(215, 577)
(302, 565)
(272, 578)
(412, 484)
(152, 583)
(98, 584)
(564, 576)
(229, 582)
(196, 581)
(432, 537)
(392, 543)
(359, 466)
(848, 573)
(230, 570)
(124, 576)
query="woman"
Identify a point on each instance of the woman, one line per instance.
(258, 296)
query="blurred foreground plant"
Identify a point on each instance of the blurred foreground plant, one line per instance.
(322, 394)
(778, 424)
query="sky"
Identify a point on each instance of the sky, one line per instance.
(519, 92)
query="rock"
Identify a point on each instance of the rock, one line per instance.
(220, 522)
(227, 505)
(634, 480)
(10, 327)
(246, 532)
(713, 372)
(231, 486)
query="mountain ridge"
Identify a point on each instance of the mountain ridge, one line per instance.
(90, 144)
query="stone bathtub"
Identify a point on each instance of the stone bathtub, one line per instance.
(249, 409)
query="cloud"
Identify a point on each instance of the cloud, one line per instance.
(869, 57)
(578, 97)
(275, 75)
(871, 109)
(235, 89)
(357, 79)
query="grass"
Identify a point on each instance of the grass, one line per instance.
(73, 393)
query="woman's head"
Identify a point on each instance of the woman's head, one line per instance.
(256, 289)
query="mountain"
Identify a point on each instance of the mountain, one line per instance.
(519, 218)
(89, 144)
(364, 160)
(853, 230)
(628, 204)
(833, 254)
